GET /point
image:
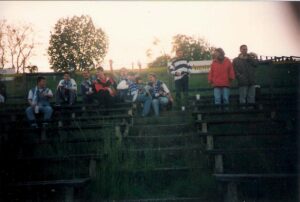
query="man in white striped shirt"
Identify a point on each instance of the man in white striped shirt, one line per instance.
(181, 69)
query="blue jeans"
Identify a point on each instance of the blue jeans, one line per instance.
(247, 94)
(46, 110)
(146, 100)
(157, 102)
(221, 94)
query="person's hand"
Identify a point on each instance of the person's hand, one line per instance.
(177, 74)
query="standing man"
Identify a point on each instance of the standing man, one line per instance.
(244, 66)
(66, 90)
(180, 68)
(220, 76)
(38, 98)
(87, 88)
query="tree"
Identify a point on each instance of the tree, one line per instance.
(193, 48)
(75, 44)
(32, 68)
(160, 61)
(3, 59)
(16, 45)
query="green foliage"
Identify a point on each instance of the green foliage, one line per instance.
(75, 44)
(161, 61)
(193, 48)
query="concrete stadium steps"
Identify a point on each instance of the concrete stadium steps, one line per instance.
(161, 141)
(245, 125)
(160, 185)
(163, 129)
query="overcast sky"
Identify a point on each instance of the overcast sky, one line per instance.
(268, 28)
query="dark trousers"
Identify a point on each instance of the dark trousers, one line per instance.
(87, 99)
(182, 86)
(65, 96)
(104, 98)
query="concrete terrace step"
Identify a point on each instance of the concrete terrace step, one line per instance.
(157, 129)
(161, 140)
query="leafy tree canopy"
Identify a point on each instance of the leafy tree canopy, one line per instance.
(161, 61)
(75, 44)
(193, 48)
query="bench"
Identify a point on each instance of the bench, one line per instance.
(232, 180)
(68, 185)
(91, 157)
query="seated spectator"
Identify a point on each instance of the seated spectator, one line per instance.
(122, 86)
(86, 87)
(66, 90)
(160, 93)
(38, 98)
(220, 76)
(105, 89)
(139, 93)
(2, 92)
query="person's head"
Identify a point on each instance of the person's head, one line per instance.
(100, 72)
(138, 80)
(66, 76)
(123, 71)
(244, 49)
(41, 82)
(152, 77)
(131, 76)
(179, 53)
(219, 54)
(86, 74)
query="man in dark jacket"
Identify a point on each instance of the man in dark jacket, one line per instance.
(244, 67)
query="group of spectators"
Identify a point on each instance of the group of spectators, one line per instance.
(101, 89)
(129, 87)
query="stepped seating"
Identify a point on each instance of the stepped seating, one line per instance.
(256, 145)
(57, 161)
(121, 155)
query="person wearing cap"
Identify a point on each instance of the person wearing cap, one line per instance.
(38, 98)
(105, 88)
(86, 87)
(181, 69)
(244, 66)
(220, 76)
(66, 90)
(160, 93)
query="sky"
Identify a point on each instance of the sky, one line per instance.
(268, 28)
